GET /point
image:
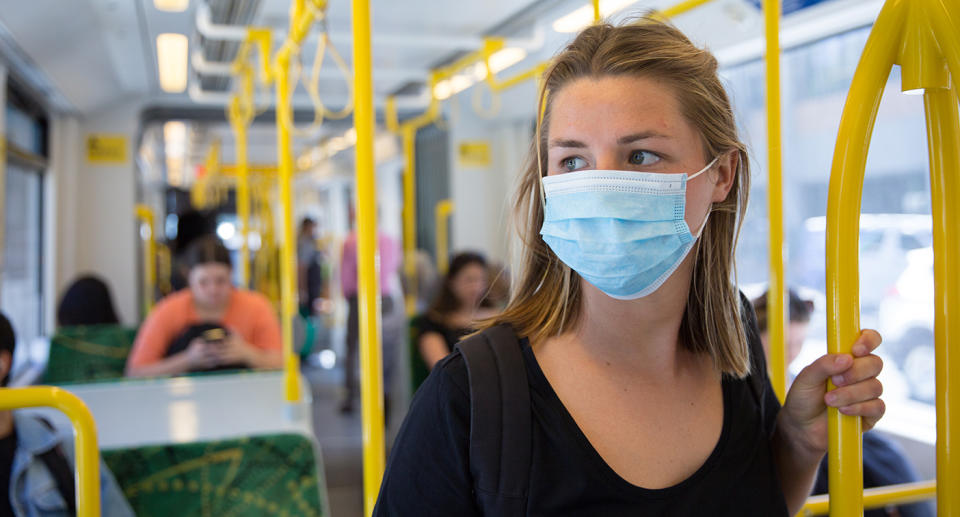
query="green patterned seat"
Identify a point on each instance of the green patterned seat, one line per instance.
(245, 477)
(88, 353)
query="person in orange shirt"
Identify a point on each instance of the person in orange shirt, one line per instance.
(210, 325)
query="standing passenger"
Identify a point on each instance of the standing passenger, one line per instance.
(643, 366)
(210, 325)
(389, 267)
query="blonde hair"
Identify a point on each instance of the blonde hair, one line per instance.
(547, 296)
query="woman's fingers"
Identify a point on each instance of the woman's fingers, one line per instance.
(868, 341)
(863, 368)
(871, 411)
(864, 391)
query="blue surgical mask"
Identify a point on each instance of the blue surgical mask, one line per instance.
(622, 231)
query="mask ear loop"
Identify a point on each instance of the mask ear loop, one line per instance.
(707, 218)
(705, 169)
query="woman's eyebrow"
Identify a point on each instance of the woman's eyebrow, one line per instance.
(644, 135)
(562, 142)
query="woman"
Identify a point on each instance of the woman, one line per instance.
(635, 350)
(461, 303)
(209, 325)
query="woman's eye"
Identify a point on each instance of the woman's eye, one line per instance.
(643, 158)
(573, 163)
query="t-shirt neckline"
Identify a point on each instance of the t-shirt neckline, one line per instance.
(539, 380)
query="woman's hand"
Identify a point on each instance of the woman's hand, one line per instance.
(201, 355)
(803, 418)
(234, 350)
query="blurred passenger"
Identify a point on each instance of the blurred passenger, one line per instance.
(210, 325)
(37, 461)
(311, 285)
(86, 302)
(884, 461)
(626, 375)
(461, 302)
(349, 282)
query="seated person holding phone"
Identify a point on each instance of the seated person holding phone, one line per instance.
(211, 325)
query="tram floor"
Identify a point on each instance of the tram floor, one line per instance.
(339, 436)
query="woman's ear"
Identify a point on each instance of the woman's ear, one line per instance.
(726, 172)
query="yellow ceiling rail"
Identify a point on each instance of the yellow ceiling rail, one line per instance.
(371, 379)
(681, 8)
(146, 216)
(776, 306)
(442, 213)
(879, 497)
(85, 440)
(922, 37)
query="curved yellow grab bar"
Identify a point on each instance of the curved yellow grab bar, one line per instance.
(88, 456)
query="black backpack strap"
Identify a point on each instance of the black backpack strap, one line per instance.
(500, 421)
(56, 462)
(758, 360)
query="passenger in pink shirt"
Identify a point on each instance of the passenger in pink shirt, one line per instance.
(389, 264)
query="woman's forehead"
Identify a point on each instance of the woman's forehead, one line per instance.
(617, 106)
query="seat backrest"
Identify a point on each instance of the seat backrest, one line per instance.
(88, 353)
(243, 477)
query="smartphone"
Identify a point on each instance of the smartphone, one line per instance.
(215, 336)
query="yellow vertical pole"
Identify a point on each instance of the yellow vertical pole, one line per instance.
(371, 382)
(146, 216)
(443, 210)
(944, 147)
(596, 11)
(776, 310)
(242, 115)
(843, 236)
(291, 363)
(85, 441)
(409, 135)
(243, 204)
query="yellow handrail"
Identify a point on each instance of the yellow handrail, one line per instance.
(442, 212)
(145, 214)
(240, 115)
(87, 453)
(921, 36)
(371, 385)
(776, 310)
(944, 143)
(300, 21)
(879, 497)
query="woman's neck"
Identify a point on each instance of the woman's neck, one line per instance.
(640, 335)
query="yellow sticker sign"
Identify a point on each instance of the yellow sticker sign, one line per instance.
(106, 148)
(474, 153)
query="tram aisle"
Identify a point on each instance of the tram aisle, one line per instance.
(340, 439)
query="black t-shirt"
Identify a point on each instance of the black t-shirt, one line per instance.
(8, 448)
(429, 474)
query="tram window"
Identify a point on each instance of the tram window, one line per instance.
(896, 271)
(20, 284)
(21, 287)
